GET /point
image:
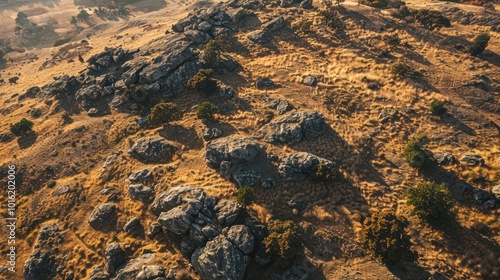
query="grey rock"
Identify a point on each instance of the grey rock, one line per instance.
(99, 273)
(197, 236)
(227, 211)
(151, 272)
(133, 226)
(496, 192)
(176, 220)
(280, 105)
(490, 204)
(204, 26)
(306, 4)
(310, 80)
(176, 83)
(300, 165)
(152, 150)
(40, 265)
(103, 217)
(264, 83)
(259, 36)
(444, 158)
(219, 259)
(175, 55)
(140, 192)
(132, 75)
(472, 159)
(219, 30)
(92, 112)
(61, 190)
(226, 92)
(459, 189)
(115, 256)
(154, 230)
(198, 37)
(61, 85)
(481, 196)
(187, 246)
(269, 183)
(237, 15)
(211, 133)
(133, 267)
(210, 231)
(91, 92)
(286, 3)
(293, 127)
(173, 197)
(235, 149)
(258, 229)
(228, 62)
(275, 24)
(140, 175)
(242, 238)
(246, 178)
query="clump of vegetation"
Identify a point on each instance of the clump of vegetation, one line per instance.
(430, 19)
(392, 40)
(437, 107)
(284, 241)
(480, 43)
(164, 112)
(66, 117)
(206, 112)
(214, 48)
(415, 153)
(246, 196)
(324, 172)
(331, 16)
(374, 3)
(61, 41)
(136, 93)
(384, 235)
(303, 25)
(201, 82)
(22, 127)
(83, 15)
(401, 69)
(430, 201)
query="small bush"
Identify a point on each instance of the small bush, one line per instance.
(284, 241)
(392, 40)
(214, 48)
(60, 41)
(437, 107)
(416, 155)
(246, 196)
(331, 16)
(324, 172)
(162, 113)
(384, 235)
(430, 201)
(206, 112)
(430, 19)
(136, 93)
(303, 25)
(480, 43)
(374, 3)
(400, 69)
(22, 127)
(201, 82)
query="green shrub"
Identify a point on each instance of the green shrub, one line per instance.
(324, 172)
(162, 113)
(384, 235)
(303, 25)
(206, 112)
(392, 40)
(284, 241)
(136, 93)
(246, 196)
(480, 43)
(437, 107)
(214, 48)
(374, 3)
(331, 16)
(430, 19)
(60, 41)
(22, 127)
(430, 201)
(416, 155)
(400, 69)
(201, 82)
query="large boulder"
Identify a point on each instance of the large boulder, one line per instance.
(176, 82)
(234, 149)
(140, 192)
(176, 54)
(259, 36)
(472, 159)
(198, 37)
(176, 220)
(115, 256)
(293, 127)
(227, 211)
(176, 196)
(275, 24)
(242, 238)
(220, 259)
(103, 217)
(133, 267)
(300, 165)
(152, 150)
(40, 265)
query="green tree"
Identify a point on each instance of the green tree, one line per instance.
(437, 107)
(430, 201)
(201, 82)
(284, 241)
(22, 127)
(246, 196)
(384, 235)
(415, 153)
(164, 112)
(214, 48)
(480, 43)
(206, 112)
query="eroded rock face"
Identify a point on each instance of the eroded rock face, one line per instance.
(300, 166)
(133, 267)
(103, 217)
(174, 197)
(152, 150)
(114, 256)
(293, 128)
(176, 220)
(220, 259)
(234, 149)
(472, 159)
(242, 238)
(40, 265)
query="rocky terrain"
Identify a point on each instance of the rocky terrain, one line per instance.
(311, 116)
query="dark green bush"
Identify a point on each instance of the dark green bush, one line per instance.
(201, 82)
(214, 48)
(324, 172)
(374, 3)
(430, 201)
(384, 235)
(60, 41)
(331, 15)
(22, 127)
(284, 241)
(206, 112)
(136, 93)
(480, 43)
(392, 40)
(430, 19)
(437, 107)
(246, 196)
(164, 112)
(415, 153)
(400, 69)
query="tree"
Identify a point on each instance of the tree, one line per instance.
(430, 19)
(206, 112)
(415, 153)
(214, 48)
(480, 43)
(202, 82)
(164, 112)
(83, 15)
(430, 201)
(284, 241)
(22, 127)
(384, 235)
(246, 196)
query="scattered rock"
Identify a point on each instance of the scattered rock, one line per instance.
(481, 196)
(115, 256)
(61, 190)
(472, 159)
(444, 158)
(228, 62)
(140, 175)
(175, 196)
(262, 83)
(211, 133)
(176, 220)
(40, 265)
(274, 24)
(152, 150)
(259, 36)
(310, 80)
(140, 192)
(133, 226)
(280, 105)
(103, 217)
(234, 149)
(246, 178)
(300, 165)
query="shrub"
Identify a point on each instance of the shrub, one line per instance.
(83, 15)
(392, 40)
(384, 235)
(136, 93)
(22, 127)
(206, 112)
(214, 48)
(400, 69)
(331, 15)
(430, 201)
(284, 241)
(415, 154)
(480, 43)
(61, 41)
(303, 25)
(202, 82)
(162, 113)
(431, 19)
(246, 196)
(374, 3)
(324, 172)
(437, 107)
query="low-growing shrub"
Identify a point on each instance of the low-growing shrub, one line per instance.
(430, 201)
(246, 196)
(430, 19)
(164, 112)
(284, 241)
(400, 69)
(480, 43)
(437, 107)
(22, 127)
(206, 112)
(384, 235)
(415, 153)
(331, 16)
(201, 82)
(392, 40)
(214, 48)
(324, 172)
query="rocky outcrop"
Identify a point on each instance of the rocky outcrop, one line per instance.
(275, 24)
(140, 175)
(176, 196)
(235, 149)
(300, 166)
(280, 105)
(133, 267)
(259, 36)
(241, 237)
(114, 256)
(176, 55)
(140, 192)
(103, 217)
(472, 159)
(293, 128)
(152, 150)
(40, 265)
(177, 220)
(445, 158)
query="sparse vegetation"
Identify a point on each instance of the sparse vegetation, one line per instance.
(201, 82)
(480, 43)
(284, 241)
(61, 41)
(384, 235)
(303, 25)
(164, 112)
(246, 196)
(400, 69)
(22, 127)
(324, 172)
(206, 112)
(214, 48)
(430, 19)
(331, 16)
(430, 201)
(437, 107)
(392, 40)
(374, 3)
(415, 153)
